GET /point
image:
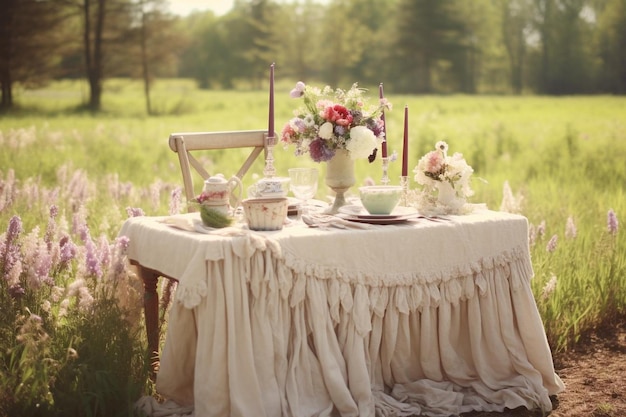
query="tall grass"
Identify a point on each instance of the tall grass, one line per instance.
(70, 330)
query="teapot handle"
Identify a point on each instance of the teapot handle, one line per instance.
(236, 189)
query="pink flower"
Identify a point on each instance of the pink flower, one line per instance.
(338, 114)
(434, 162)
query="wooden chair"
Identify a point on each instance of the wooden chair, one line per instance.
(184, 144)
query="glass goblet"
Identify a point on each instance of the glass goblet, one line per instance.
(303, 185)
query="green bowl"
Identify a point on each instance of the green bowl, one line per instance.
(380, 199)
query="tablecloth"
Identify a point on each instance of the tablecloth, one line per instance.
(424, 318)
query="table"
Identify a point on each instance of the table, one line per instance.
(429, 317)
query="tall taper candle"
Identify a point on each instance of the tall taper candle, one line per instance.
(405, 143)
(270, 128)
(384, 145)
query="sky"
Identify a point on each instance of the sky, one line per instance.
(184, 7)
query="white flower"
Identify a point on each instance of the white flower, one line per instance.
(362, 142)
(326, 131)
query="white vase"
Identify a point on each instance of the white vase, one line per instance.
(448, 198)
(340, 177)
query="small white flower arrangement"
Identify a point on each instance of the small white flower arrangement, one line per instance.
(445, 181)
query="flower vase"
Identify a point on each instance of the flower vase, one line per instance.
(447, 198)
(340, 177)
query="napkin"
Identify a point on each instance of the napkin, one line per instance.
(326, 220)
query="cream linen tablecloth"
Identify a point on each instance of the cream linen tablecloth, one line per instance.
(425, 318)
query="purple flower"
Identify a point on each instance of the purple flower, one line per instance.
(570, 228)
(611, 222)
(79, 224)
(319, 152)
(541, 229)
(119, 262)
(175, 200)
(551, 247)
(92, 262)
(10, 251)
(134, 212)
(375, 126)
(339, 130)
(68, 249)
(16, 291)
(14, 229)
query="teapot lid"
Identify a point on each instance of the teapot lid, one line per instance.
(216, 179)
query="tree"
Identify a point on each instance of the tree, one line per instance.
(611, 46)
(516, 21)
(429, 35)
(29, 43)
(157, 41)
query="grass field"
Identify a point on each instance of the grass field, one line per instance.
(557, 160)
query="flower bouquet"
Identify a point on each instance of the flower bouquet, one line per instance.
(338, 127)
(445, 181)
(331, 120)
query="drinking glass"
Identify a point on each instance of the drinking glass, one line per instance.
(303, 185)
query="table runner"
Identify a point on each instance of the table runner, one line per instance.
(428, 318)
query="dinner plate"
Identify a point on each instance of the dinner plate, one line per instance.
(359, 214)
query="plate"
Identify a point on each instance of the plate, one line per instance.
(359, 214)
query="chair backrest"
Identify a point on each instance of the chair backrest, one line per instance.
(186, 143)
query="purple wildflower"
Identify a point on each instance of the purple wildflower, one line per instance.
(79, 224)
(134, 212)
(551, 246)
(10, 257)
(14, 229)
(119, 259)
(16, 291)
(570, 228)
(611, 222)
(104, 250)
(319, 152)
(92, 262)
(68, 249)
(175, 200)
(52, 226)
(541, 229)
(43, 266)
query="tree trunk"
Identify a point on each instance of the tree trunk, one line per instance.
(5, 57)
(93, 61)
(145, 71)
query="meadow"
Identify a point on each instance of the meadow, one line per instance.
(70, 322)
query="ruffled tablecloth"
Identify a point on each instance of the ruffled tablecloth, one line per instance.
(424, 318)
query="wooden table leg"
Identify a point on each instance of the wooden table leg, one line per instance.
(151, 308)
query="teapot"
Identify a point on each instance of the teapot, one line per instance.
(218, 192)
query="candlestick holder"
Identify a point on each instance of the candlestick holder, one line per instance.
(404, 183)
(269, 171)
(385, 179)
